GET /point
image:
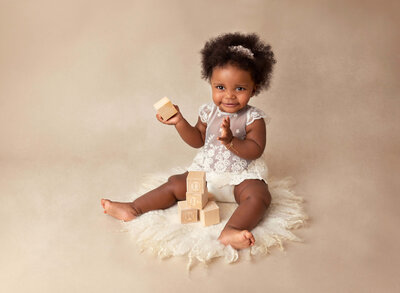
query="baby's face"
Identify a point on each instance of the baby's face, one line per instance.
(232, 88)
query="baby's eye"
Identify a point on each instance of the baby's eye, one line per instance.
(240, 88)
(220, 87)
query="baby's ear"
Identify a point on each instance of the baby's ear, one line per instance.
(254, 90)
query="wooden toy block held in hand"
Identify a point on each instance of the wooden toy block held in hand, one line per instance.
(165, 108)
(187, 214)
(196, 182)
(210, 214)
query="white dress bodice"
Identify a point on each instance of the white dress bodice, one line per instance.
(215, 159)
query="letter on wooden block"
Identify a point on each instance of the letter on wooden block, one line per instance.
(210, 214)
(196, 182)
(197, 200)
(165, 108)
(187, 213)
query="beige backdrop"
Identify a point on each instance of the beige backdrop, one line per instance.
(77, 83)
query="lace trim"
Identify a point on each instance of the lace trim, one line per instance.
(204, 112)
(254, 114)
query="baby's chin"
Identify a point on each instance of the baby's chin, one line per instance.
(230, 108)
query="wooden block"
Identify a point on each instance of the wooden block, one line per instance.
(196, 182)
(210, 214)
(187, 214)
(210, 196)
(197, 200)
(165, 108)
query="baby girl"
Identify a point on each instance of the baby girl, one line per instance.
(231, 135)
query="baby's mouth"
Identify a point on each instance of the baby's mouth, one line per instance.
(230, 104)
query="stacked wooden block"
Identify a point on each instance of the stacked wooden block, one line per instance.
(197, 206)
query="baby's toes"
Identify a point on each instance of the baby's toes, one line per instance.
(106, 204)
(249, 236)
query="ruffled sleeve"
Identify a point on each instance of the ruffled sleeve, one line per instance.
(254, 113)
(204, 112)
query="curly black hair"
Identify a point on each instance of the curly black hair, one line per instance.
(219, 51)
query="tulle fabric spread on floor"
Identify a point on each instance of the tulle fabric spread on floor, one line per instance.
(162, 233)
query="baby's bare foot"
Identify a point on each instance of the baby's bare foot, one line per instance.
(120, 210)
(238, 239)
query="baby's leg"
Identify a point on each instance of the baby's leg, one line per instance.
(253, 198)
(162, 197)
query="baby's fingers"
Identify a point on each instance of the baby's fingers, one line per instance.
(159, 118)
(225, 123)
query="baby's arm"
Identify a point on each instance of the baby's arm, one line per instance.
(192, 135)
(252, 147)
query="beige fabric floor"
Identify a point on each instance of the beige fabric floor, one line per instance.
(77, 84)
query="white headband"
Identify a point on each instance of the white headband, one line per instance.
(242, 50)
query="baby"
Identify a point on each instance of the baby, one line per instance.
(232, 135)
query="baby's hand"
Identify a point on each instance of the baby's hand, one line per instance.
(226, 133)
(173, 120)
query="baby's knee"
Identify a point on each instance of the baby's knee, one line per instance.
(176, 180)
(267, 198)
(177, 184)
(260, 198)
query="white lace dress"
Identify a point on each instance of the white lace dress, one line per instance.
(223, 167)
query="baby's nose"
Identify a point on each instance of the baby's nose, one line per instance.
(230, 95)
